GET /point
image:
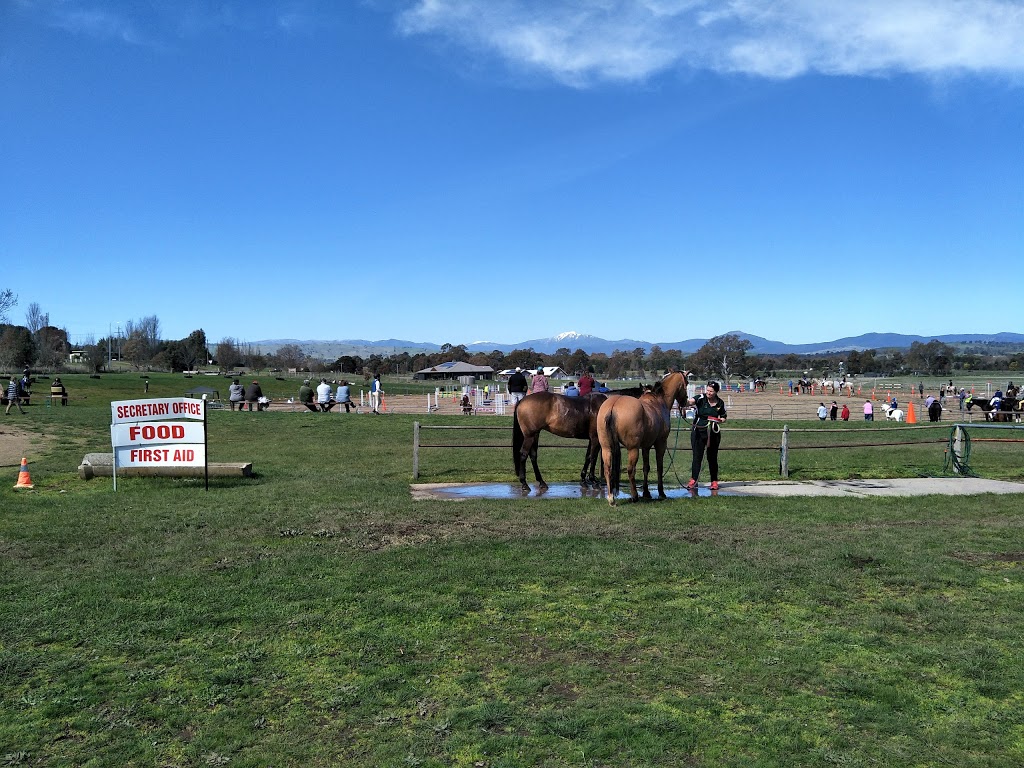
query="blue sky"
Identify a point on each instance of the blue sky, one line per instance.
(463, 170)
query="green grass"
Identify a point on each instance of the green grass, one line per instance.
(315, 615)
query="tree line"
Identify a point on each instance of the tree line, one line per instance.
(39, 344)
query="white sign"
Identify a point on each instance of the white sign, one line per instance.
(124, 411)
(160, 456)
(142, 435)
(151, 432)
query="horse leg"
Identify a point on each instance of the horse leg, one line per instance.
(659, 460)
(529, 452)
(524, 452)
(647, 470)
(634, 455)
(606, 463)
(536, 470)
(590, 465)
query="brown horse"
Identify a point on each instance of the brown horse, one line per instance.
(638, 425)
(559, 415)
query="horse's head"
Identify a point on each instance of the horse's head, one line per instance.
(673, 387)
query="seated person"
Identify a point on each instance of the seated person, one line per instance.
(344, 396)
(306, 395)
(323, 396)
(467, 406)
(571, 390)
(57, 390)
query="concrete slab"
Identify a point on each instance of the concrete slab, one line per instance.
(918, 486)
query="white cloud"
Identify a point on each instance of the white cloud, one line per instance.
(583, 41)
(96, 22)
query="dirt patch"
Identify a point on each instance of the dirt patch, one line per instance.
(15, 443)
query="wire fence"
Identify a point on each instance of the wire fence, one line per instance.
(822, 449)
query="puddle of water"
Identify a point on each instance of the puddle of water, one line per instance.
(554, 491)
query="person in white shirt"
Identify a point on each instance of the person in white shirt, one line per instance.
(323, 395)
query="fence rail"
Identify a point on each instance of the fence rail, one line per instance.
(784, 446)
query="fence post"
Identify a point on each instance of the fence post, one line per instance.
(415, 450)
(784, 453)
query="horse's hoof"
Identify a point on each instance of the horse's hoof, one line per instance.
(542, 487)
(611, 501)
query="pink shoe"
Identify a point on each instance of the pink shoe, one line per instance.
(714, 485)
(692, 485)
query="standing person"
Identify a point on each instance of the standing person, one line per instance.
(869, 411)
(586, 385)
(845, 415)
(822, 411)
(236, 395)
(920, 389)
(25, 387)
(253, 393)
(540, 381)
(306, 396)
(961, 397)
(706, 436)
(375, 394)
(833, 412)
(517, 386)
(323, 396)
(13, 396)
(344, 396)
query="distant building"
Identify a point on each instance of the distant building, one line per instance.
(455, 370)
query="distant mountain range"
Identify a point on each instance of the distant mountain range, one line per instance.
(331, 350)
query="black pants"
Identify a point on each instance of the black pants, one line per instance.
(700, 443)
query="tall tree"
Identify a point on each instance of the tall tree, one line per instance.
(934, 357)
(36, 319)
(17, 349)
(52, 347)
(227, 354)
(721, 356)
(290, 356)
(8, 301)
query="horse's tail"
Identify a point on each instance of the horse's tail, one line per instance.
(517, 440)
(615, 468)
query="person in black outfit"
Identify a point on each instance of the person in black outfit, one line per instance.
(252, 395)
(517, 385)
(709, 412)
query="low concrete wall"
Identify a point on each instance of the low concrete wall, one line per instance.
(102, 465)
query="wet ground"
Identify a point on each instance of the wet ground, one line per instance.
(922, 486)
(554, 491)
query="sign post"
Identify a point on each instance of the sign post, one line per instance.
(142, 435)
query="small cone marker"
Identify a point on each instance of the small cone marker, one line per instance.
(24, 480)
(911, 418)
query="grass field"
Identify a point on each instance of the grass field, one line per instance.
(314, 615)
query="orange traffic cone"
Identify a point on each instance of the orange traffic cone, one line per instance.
(911, 418)
(24, 480)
